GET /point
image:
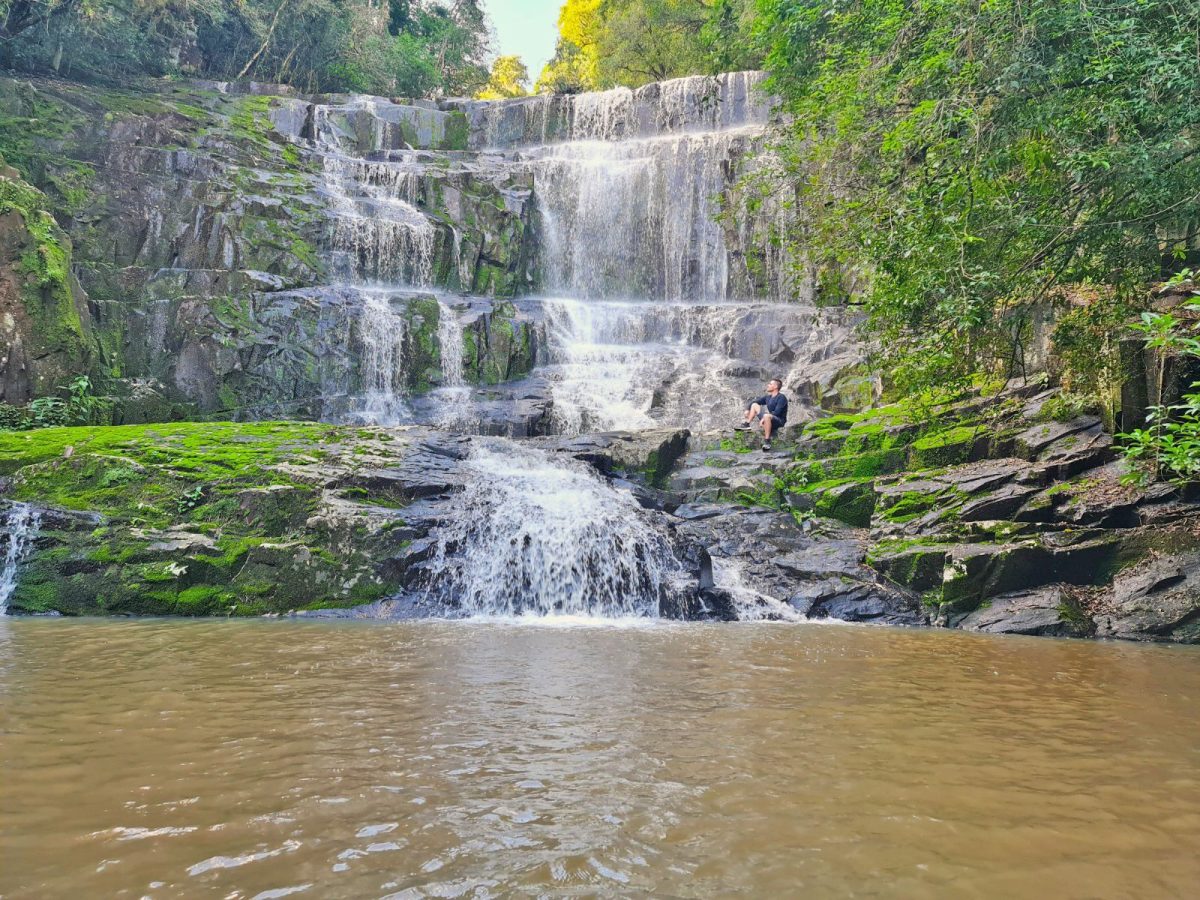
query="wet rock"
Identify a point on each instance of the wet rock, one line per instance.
(1158, 600)
(649, 454)
(821, 575)
(1048, 611)
(975, 572)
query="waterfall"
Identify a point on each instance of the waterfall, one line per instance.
(450, 342)
(20, 527)
(666, 306)
(750, 605)
(540, 535)
(382, 333)
(378, 235)
(638, 218)
(625, 365)
(455, 410)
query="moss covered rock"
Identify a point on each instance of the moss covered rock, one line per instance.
(215, 518)
(44, 337)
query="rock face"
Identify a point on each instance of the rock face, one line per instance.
(44, 333)
(840, 521)
(214, 243)
(987, 518)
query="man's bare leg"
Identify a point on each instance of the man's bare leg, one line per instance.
(768, 425)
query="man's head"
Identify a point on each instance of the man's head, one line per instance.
(774, 386)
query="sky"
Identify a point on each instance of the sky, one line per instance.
(527, 28)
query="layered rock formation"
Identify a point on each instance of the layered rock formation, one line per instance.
(221, 235)
(993, 518)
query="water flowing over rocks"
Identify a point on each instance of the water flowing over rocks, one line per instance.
(18, 530)
(520, 330)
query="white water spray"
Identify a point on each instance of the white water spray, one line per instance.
(540, 535)
(382, 334)
(17, 533)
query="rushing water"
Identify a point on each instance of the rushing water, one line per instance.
(237, 759)
(650, 288)
(538, 535)
(18, 527)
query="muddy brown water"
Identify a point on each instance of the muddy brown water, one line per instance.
(272, 759)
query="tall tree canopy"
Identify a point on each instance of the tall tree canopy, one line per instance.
(603, 43)
(408, 47)
(509, 79)
(972, 159)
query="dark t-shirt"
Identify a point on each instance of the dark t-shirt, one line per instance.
(776, 406)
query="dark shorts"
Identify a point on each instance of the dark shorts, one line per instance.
(775, 421)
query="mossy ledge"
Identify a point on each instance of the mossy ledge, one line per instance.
(208, 518)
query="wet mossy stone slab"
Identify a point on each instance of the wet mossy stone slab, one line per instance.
(852, 503)
(947, 448)
(977, 571)
(1048, 611)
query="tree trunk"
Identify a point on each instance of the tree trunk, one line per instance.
(266, 41)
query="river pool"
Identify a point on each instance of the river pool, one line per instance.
(265, 759)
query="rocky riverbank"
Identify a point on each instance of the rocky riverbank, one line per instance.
(994, 516)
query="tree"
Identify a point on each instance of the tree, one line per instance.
(971, 160)
(420, 48)
(509, 79)
(603, 43)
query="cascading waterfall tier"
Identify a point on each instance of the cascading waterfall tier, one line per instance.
(631, 200)
(382, 334)
(379, 235)
(18, 529)
(694, 103)
(623, 365)
(379, 238)
(535, 534)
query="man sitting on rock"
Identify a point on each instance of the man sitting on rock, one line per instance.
(770, 410)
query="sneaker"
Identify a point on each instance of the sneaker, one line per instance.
(766, 446)
(744, 426)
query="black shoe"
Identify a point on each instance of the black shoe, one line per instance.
(745, 426)
(766, 446)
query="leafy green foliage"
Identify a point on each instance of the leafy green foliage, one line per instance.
(604, 43)
(969, 159)
(509, 78)
(410, 47)
(1169, 447)
(75, 405)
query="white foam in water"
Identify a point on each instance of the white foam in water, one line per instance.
(18, 530)
(377, 236)
(456, 410)
(543, 535)
(751, 605)
(378, 233)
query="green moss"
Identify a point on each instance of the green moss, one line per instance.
(865, 465)
(1070, 612)
(457, 132)
(45, 271)
(838, 425)
(947, 447)
(853, 504)
(251, 121)
(911, 504)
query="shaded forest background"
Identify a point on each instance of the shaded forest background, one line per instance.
(413, 48)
